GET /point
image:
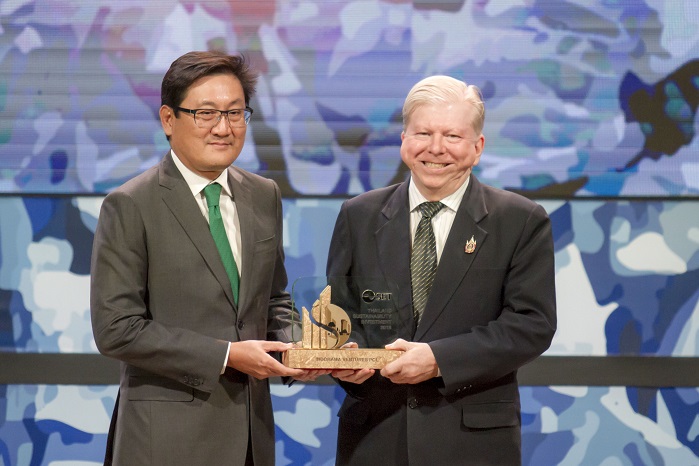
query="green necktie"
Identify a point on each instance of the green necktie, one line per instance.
(218, 231)
(423, 259)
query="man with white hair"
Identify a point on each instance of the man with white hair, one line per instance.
(473, 268)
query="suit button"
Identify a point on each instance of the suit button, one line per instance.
(412, 403)
(241, 324)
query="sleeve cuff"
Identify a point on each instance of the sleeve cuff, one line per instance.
(225, 361)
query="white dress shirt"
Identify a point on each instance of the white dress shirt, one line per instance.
(229, 213)
(442, 220)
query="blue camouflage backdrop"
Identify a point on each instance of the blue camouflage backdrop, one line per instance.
(591, 108)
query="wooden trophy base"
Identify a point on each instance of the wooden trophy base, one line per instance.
(349, 358)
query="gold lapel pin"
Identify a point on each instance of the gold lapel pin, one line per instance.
(470, 246)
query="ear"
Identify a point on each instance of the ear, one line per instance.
(167, 115)
(479, 145)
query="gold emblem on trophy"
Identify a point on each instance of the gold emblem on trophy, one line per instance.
(325, 329)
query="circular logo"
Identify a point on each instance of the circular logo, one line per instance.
(368, 296)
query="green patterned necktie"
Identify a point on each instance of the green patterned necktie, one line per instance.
(423, 259)
(218, 231)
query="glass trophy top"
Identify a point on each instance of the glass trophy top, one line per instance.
(330, 311)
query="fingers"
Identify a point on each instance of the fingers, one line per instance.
(309, 375)
(416, 365)
(252, 357)
(353, 375)
(275, 345)
(270, 367)
(389, 372)
(400, 344)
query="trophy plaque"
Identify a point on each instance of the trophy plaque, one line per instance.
(343, 309)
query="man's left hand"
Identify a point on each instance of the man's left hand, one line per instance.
(416, 365)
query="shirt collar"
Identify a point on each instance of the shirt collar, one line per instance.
(452, 201)
(197, 182)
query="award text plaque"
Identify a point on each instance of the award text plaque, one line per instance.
(325, 328)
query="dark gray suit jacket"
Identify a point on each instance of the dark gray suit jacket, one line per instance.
(489, 312)
(162, 304)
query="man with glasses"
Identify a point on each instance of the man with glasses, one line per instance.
(188, 284)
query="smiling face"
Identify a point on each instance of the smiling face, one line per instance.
(206, 152)
(440, 147)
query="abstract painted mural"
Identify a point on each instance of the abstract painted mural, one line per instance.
(591, 109)
(583, 98)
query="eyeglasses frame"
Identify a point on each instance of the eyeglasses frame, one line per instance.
(247, 114)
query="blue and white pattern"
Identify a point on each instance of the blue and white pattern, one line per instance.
(583, 98)
(591, 106)
(611, 257)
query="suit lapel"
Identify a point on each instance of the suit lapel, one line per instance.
(393, 250)
(455, 262)
(178, 198)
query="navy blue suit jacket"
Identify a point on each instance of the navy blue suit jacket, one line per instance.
(489, 312)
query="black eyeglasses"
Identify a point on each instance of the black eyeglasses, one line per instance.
(208, 117)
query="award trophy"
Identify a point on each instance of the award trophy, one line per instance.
(335, 310)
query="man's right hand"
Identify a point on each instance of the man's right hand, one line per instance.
(252, 357)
